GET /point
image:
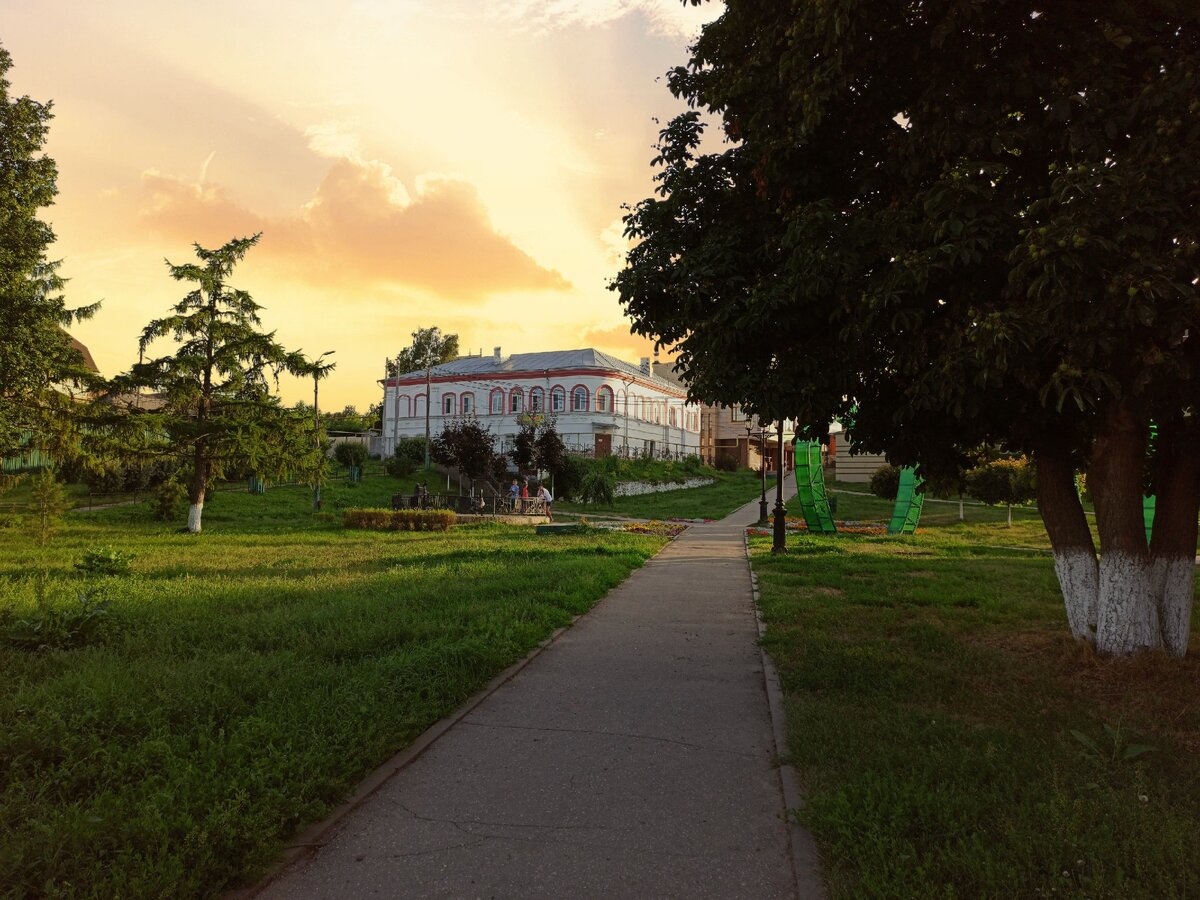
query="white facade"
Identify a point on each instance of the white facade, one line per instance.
(602, 405)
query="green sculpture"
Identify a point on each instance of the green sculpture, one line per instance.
(909, 499)
(810, 488)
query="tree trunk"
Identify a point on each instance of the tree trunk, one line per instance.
(1127, 620)
(1074, 550)
(196, 493)
(1173, 541)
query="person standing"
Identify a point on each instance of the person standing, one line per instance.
(547, 498)
(514, 492)
(524, 494)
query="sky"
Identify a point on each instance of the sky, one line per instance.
(410, 163)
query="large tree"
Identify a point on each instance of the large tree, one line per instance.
(429, 347)
(39, 366)
(220, 413)
(966, 222)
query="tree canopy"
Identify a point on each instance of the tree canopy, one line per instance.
(964, 222)
(39, 366)
(429, 347)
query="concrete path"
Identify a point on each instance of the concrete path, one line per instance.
(632, 758)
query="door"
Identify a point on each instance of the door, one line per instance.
(603, 445)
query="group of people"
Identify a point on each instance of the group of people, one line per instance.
(519, 494)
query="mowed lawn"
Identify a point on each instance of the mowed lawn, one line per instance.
(245, 679)
(955, 741)
(713, 501)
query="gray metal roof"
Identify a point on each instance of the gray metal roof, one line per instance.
(588, 358)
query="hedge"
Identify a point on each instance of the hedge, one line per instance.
(400, 519)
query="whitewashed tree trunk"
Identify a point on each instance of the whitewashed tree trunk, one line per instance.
(1079, 578)
(1127, 615)
(194, 512)
(1174, 582)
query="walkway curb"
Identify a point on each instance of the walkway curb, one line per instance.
(806, 862)
(318, 834)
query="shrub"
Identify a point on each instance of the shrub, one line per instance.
(885, 482)
(569, 478)
(412, 448)
(692, 465)
(169, 497)
(1002, 481)
(104, 561)
(597, 487)
(59, 627)
(727, 461)
(399, 466)
(399, 519)
(350, 454)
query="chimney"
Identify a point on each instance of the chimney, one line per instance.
(496, 353)
(645, 365)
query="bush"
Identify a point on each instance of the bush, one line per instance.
(399, 519)
(727, 461)
(169, 497)
(885, 482)
(350, 454)
(692, 465)
(57, 627)
(1003, 482)
(399, 466)
(569, 478)
(413, 449)
(104, 561)
(597, 487)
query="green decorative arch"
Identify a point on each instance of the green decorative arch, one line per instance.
(906, 513)
(810, 488)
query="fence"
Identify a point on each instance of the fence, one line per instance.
(477, 505)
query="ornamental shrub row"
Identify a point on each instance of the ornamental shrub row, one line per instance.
(400, 519)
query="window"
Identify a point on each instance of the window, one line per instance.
(658, 413)
(537, 400)
(448, 405)
(735, 413)
(604, 400)
(497, 402)
(403, 406)
(516, 401)
(467, 404)
(671, 417)
(558, 400)
(579, 399)
(419, 405)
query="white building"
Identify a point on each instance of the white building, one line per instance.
(602, 405)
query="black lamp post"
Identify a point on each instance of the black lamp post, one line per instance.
(779, 542)
(762, 467)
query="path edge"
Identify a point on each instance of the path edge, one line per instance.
(806, 859)
(320, 833)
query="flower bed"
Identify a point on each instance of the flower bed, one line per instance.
(399, 519)
(667, 529)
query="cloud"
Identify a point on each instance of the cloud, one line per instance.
(620, 342)
(664, 17)
(361, 228)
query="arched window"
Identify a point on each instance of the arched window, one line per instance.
(604, 399)
(558, 400)
(466, 404)
(403, 406)
(448, 405)
(516, 401)
(496, 402)
(579, 399)
(537, 400)
(419, 405)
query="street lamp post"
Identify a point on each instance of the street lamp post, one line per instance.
(779, 543)
(762, 468)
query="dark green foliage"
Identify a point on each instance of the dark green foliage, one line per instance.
(1006, 482)
(412, 448)
(168, 500)
(597, 487)
(132, 476)
(38, 363)
(692, 465)
(399, 466)
(568, 479)
(104, 561)
(524, 451)
(49, 502)
(551, 453)
(885, 482)
(727, 461)
(399, 519)
(429, 347)
(350, 454)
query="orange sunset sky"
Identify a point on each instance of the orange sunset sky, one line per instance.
(409, 162)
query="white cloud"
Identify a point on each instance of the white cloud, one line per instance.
(669, 18)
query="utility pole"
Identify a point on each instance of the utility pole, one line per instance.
(319, 370)
(396, 408)
(428, 400)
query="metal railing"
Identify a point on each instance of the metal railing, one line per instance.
(477, 505)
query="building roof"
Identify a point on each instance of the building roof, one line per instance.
(88, 362)
(588, 358)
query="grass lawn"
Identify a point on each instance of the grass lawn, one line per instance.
(242, 681)
(714, 501)
(954, 740)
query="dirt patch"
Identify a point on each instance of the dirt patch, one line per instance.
(824, 591)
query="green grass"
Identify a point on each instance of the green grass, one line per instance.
(244, 680)
(956, 743)
(714, 501)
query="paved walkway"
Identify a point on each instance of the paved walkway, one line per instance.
(631, 758)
